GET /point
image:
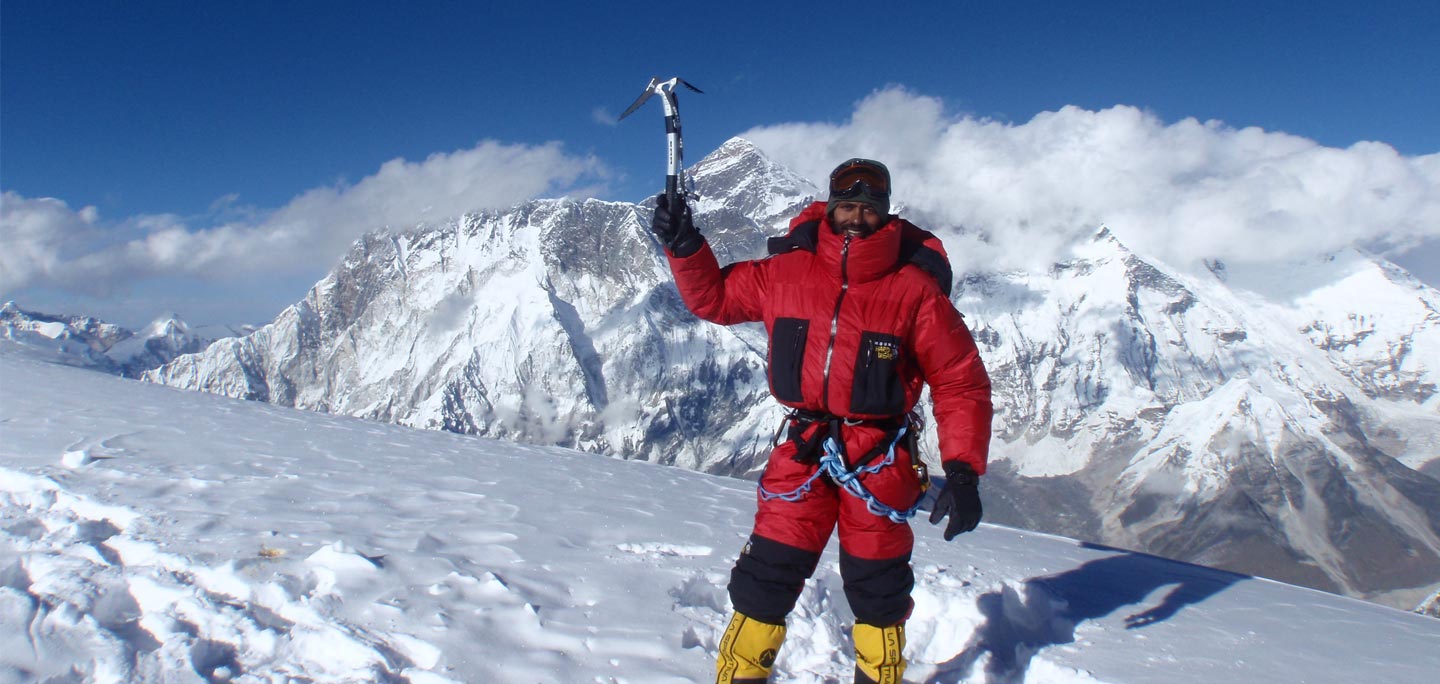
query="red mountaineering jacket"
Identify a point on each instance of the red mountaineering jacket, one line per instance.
(856, 328)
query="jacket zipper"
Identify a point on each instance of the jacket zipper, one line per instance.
(835, 323)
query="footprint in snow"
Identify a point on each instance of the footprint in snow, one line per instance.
(87, 451)
(702, 590)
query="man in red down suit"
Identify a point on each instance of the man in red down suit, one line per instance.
(856, 304)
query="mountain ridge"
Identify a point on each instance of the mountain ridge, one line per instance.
(556, 322)
(89, 342)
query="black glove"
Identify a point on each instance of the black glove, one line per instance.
(676, 230)
(959, 499)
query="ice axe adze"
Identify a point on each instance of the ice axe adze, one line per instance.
(676, 146)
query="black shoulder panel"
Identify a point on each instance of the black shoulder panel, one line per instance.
(929, 261)
(805, 236)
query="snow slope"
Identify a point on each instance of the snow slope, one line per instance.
(1276, 422)
(150, 534)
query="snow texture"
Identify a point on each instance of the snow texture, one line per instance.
(1281, 422)
(154, 535)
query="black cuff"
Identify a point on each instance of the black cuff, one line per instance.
(961, 472)
(688, 245)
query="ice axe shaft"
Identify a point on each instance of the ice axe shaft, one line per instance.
(674, 142)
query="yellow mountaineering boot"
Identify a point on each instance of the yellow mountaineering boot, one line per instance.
(747, 651)
(879, 653)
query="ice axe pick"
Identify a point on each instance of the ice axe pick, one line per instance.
(674, 143)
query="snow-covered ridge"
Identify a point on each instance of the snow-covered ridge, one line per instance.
(1249, 421)
(92, 343)
(157, 536)
(552, 323)
(1175, 403)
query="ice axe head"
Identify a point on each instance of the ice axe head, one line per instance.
(649, 90)
(664, 88)
(674, 143)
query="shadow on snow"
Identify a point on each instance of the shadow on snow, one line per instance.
(1045, 611)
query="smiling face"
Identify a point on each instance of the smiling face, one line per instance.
(856, 219)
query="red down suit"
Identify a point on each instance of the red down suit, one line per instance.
(856, 330)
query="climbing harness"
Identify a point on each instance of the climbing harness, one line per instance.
(832, 464)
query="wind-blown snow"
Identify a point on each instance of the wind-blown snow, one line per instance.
(154, 535)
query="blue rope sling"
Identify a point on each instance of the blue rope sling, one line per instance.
(833, 464)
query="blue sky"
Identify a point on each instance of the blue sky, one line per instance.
(198, 115)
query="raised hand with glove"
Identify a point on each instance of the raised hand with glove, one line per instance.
(675, 227)
(959, 499)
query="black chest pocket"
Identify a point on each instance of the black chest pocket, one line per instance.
(877, 387)
(787, 357)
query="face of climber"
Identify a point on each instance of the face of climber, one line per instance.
(856, 219)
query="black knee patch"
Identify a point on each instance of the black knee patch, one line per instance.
(878, 590)
(768, 577)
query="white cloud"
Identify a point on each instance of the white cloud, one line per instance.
(38, 235)
(603, 116)
(1182, 192)
(46, 244)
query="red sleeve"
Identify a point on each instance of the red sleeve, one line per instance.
(959, 385)
(726, 296)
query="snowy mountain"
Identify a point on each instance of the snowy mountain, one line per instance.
(1269, 423)
(152, 536)
(1177, 415)
(552, 323)
(91, 343)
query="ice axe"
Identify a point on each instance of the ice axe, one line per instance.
(675, 145)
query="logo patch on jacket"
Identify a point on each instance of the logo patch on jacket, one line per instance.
(885, 350)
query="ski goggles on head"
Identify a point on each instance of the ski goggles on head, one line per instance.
(860, 177)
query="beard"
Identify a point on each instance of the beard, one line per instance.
(855, 229)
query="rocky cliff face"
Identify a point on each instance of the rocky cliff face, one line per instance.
(1270, 423)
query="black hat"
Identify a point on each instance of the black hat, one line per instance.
(860, 180)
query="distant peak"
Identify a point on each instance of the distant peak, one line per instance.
(738, 144)
(167, 323)
(733, 149)
(1106, 238)
(740, 176)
